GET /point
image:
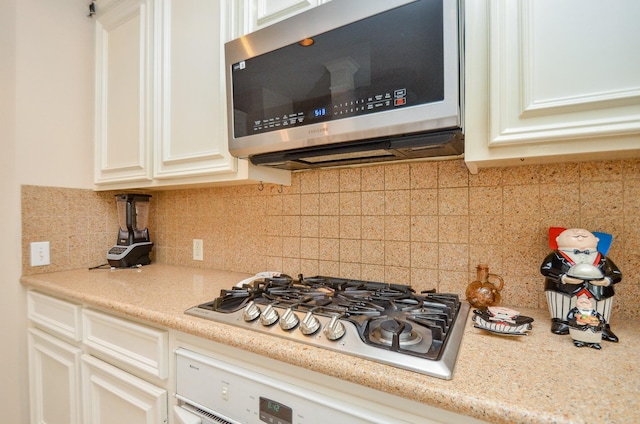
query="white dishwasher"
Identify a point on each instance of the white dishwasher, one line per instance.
(213, 391)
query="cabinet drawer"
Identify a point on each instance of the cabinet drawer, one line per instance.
(58, 316)
(138, 345)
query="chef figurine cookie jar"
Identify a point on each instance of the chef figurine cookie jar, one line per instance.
(578, 266)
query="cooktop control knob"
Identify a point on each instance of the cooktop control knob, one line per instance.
(269, 316)
(251, 312)
(309, 324)
(335, 329)
(289, 320)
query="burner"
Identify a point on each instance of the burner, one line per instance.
(391, 328)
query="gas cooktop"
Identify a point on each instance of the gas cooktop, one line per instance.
(387, 323)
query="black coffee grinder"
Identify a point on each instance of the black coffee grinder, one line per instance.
(133, 246)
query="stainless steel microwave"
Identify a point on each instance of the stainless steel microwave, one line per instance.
(348, 82)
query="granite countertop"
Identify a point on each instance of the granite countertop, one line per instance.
(539, 378)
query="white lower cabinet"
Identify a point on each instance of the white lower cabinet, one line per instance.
(89, 367)
(113, 396)
(54, 379)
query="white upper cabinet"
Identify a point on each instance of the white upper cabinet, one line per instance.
(191, 131)
(124, 83)
(161, 100)
(550, 81)
(255, 14)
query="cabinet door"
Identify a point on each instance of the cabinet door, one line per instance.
(563, 80)
(123, 118)
(54, 380)
(112, 396)
(191, 136)
(261, 13)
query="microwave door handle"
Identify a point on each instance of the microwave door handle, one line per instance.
(183, 416)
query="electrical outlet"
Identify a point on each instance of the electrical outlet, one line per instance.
(40, 253)
(198, 254)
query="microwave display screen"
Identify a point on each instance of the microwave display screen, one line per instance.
(392, 60)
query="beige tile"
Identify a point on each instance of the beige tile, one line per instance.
(453, 229)
(521, 175)
(631, 197)
(601, 171)
(424, 255)
(290, 266)
(291, 225)
(309, 182)
(373, 252)
(309, 247)
(373, 202)
(397, 275)
(560, 173)
(350, 270)
(329, 204)
(521, 291)
(329, 226)
(424, 202)
(329, 249)
(351, 227)
(594, 196)
(559, 199)
(424, 175)
(522, 200)
(350, 179)
(373, 227)
(350, 203)
(310, 204)
(310, 226)
(485, 200)
(373, 178)
(397, 177)
(485, 229)
(423, 279)
(453, 201)
(453, 174)
(631, 169)
(350, 251)
(488, 177)
(453, 282)
(490, 254)
(453, 257)
(309, 267)
(397, 202)
(291, 204)
(372, 272)
(424, 228)
(329, 268)
(329, 181)
(397, 253)
(397, 228)
(291, 247)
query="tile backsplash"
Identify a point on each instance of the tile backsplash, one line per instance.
(427, 224)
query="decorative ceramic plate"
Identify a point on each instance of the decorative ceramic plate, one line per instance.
(503, 321)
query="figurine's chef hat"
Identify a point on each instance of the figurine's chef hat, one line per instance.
(604, 239)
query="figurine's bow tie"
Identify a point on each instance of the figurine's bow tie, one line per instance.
(577, 251)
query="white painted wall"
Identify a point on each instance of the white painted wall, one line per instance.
(12, 363)
(46, 120)
(54, 85)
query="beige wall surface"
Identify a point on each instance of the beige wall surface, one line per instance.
(46, 121)
(427, 224)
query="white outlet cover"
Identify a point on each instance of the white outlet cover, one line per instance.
(40, 255)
